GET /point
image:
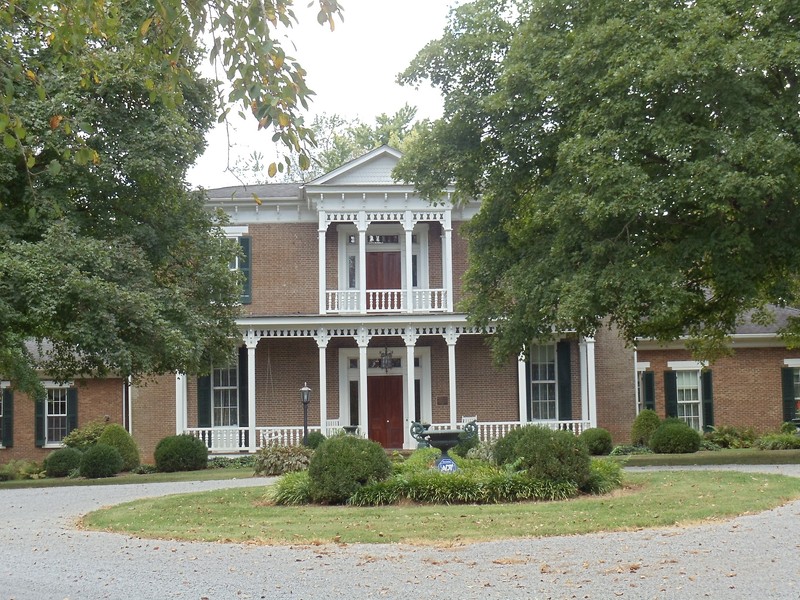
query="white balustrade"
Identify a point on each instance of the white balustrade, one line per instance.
(383, 301)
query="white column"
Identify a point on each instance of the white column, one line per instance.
(590, 380)
(363, 415)
(180, 403)
(447, 258)
(522, 385)
(408, 227)
(323, 283)
(362, 260)
(251, 342)
(410, 338)
(322, 342)
(451, 336)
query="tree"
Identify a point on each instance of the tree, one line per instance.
(107, 263)
(337, 141)
(247, 45)
(637, 163)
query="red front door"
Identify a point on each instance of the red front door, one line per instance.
(385, 405)
(383, 273)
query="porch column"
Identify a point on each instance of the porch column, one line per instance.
(251, 342)
(362, 260)
(447, 259)
(522, 393)
(363, 415)
(450, 337)
(408, 227)
(590, 381)
(322, 342)
(410, 338)
(180, 402)
(323, 284)
(584, 380)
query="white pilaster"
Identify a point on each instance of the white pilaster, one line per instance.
(251, 342)
(450, 337)
(522, 385)
(410, 338)
(322, 343)
(180, 403)
(362, 260)
(584, 380)
(408, 227)
(590, 379)
(323, 284)
(447, 258)
(363, 414)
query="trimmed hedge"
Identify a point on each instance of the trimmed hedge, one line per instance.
(116, 436)
(644, 425)
(343, 464)
(181, 453)
(597, 441)
(675, 437)
(101, 460)
(62, 462)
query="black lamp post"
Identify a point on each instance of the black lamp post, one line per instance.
(305, 398)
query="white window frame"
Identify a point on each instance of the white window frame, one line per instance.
(696, 368)
(641, 369)
(234, 232)
(535, 349)
(50, 386)
(231, 370)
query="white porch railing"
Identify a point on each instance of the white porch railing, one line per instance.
(231, 439)
(383, 301)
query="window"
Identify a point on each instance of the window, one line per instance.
(225, 397)
(56, 414)
(688, 390)
(544, 401)
(241, 263)
(6, 416)
(790, 381)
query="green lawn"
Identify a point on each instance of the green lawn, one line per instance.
(127, 478)
(743, 456)
(655, 499)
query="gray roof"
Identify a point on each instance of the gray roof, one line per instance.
(781, 318)
(268, 191)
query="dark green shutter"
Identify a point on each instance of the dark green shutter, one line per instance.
(204, 401)
(38, 427)
(244, 420)
(72, 409)
(787, 387)
(8, 418)
(244, 268)
(671, 393)
(564, 378)
(706, 382)
(649, 390)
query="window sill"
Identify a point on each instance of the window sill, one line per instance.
(53, 445)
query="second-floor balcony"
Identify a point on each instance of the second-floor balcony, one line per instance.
(386, 301)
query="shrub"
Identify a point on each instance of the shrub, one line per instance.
(484, 451)
(675, 437)
(61, 462)
(709, 446)
(278, 460)
(342, 464)
(605, 476)
(181, 453)
(504, 447)
(644, 425)
(465, 444)
(21, 469)
(628, 449)
(245, 461)
(778, 441)
(731, 437)
(292, 489)
(315, 438)
(85, 437)
(420, 459)
(553, 455)
(101, 460)
(115, 435)
(145, 470)
(597, 441)
(788, 427)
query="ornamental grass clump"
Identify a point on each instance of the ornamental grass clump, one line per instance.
(343, 464)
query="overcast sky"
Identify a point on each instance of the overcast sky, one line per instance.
(352, 70)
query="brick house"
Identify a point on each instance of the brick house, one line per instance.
(353, 285)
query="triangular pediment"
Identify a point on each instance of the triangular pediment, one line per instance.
(373, 168)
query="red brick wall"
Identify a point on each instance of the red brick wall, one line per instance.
(615, 381)
(153, 408)
(285, 269)
(484, 388)
(98, 399)
(746, 386)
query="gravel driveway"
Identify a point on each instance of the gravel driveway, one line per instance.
(42, 556)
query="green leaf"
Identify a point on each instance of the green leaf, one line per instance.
(54, 168)
(9, 141)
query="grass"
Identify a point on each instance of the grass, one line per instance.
(657, 499)
(742, 456)
(128, 478)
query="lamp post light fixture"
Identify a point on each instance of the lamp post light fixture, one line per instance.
(386, 359)
(305, 398)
